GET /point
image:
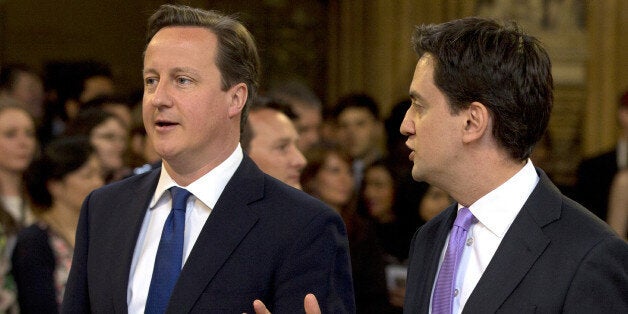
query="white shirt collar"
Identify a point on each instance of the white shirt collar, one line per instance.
(498, 209)
(216, 180)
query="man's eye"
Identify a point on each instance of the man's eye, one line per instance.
(150, 81)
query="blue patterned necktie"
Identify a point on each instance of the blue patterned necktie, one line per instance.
(443, 297)
(169, 254)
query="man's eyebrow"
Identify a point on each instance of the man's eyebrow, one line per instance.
(283, 139)
(173, 70)
(184, 69)
(416, 96)
(147, 71)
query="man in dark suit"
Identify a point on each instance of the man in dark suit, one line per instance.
(246, 236)
(270, 138)
(481, 98)
(595, 174)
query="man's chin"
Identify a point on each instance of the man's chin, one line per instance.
(167, 152)
(417, 175)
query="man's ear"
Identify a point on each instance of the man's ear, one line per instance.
(477, 122)
(238, 94)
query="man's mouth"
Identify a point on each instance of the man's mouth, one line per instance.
(164, 123)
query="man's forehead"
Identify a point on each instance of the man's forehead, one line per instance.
(267, 117)
(182, 38)
(356, 113)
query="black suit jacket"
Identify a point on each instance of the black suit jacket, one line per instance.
(263, 240)
(594, 178)
(556, 257)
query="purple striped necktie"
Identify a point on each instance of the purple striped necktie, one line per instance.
(443, 297)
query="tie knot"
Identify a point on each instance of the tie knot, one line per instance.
(179, 197)
(464, 219)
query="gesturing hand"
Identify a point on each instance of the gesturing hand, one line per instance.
(310, 304)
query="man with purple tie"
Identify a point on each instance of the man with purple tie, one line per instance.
(481, 99)
(512, 243)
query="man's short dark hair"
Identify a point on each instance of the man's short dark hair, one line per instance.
(363, 101)
(261, 103)
(292, 91)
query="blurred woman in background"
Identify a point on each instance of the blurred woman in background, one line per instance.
(57, 183)
(108, 134)
(433, 202)
(378, 201)
(328, 177)
(18, 145)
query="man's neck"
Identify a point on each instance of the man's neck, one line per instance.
(185, 171)
(483, 179)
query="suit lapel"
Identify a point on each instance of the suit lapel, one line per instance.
(521, 247)
(131, 215)
(225, 228)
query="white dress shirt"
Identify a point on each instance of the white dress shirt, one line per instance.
(494, 212)
(205, 193)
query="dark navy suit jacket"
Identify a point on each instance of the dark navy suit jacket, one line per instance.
(557, 257)
(263, 240)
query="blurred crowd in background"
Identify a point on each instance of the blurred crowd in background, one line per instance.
(66, 132)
